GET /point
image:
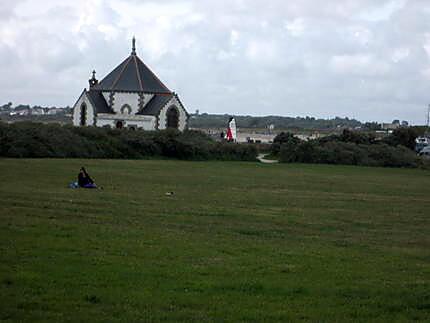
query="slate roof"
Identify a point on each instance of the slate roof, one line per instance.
(99, 102)
(153, 107)
(134, 76)
(156, 104)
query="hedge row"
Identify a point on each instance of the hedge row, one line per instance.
(28, 140)
(346, 149)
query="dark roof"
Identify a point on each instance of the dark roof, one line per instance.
(156, 104)
(134, 76)
(99, 102)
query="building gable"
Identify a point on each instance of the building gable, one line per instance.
(173, 103)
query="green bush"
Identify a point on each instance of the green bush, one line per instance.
(348, 149)
(29, 140)
(284, 138)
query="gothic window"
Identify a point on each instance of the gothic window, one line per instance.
(126, 109)
(83, 117)
(172, 116)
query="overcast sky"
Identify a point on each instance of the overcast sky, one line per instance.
(364, 59)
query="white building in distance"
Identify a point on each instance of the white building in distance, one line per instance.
(131, 96)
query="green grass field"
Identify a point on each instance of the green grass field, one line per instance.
(236, 242)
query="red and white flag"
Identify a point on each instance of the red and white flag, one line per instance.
(231, 130)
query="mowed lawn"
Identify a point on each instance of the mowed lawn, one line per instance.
(236, 242)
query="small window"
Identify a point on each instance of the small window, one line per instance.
(83, 118)
(126, 109)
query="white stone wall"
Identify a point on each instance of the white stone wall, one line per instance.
(77, 111)
(139, 121)
(162, 123)
(131, 99)
(105, 122)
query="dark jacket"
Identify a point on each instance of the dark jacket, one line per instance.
(84, 179)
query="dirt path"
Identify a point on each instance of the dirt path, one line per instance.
(260, 157)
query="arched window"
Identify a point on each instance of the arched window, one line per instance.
(119, 124)
(126, 109)
(172, 116)
(83, 119)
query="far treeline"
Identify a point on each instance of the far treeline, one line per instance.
(205, 120)
(21, 112)
(353, 148)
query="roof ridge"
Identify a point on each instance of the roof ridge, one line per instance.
(120, 73)
(138, 73)
(155, 76)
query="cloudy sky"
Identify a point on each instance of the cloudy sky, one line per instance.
(364, 59)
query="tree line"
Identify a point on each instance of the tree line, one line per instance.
(278, 122)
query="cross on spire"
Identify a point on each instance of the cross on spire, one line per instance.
(93, 81)
(133, 48)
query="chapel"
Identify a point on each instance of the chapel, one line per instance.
(131, 96)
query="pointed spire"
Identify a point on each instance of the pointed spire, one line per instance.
(133, 48)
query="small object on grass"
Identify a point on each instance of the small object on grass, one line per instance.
(169, 193)
(74, 185)
(92, 299)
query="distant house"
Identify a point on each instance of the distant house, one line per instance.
(130, 96)
(54, 111)
(390, 126)
(37, 111)
(22, 110)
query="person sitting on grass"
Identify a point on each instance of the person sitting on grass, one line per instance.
(84, 180)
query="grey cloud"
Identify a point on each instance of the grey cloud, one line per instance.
(359, 58)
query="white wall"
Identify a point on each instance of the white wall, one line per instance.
(141, 121)
(132, 99)
(144, 122)
(77, 111)
(182, 115)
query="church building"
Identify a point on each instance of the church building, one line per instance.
(131, 96)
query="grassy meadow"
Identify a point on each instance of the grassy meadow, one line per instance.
(238, 241)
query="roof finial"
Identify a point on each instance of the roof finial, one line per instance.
(133, 49)
(93, 81)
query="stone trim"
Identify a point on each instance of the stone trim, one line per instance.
(111, 99)
(141, 101)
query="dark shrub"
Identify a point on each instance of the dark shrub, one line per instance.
(283, 138)
(332, 150)
(28, 139)
(356, 137)
(405, 137)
